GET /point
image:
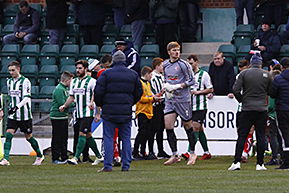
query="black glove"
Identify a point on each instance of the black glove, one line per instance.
(12, 110)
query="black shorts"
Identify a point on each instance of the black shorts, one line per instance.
(199, 116)
(25, 126)
(85, 124)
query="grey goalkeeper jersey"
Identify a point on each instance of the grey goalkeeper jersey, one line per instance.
(176, 73)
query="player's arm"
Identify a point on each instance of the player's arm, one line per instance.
(69, 100)
(237, 87)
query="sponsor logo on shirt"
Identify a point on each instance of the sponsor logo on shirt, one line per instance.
(79, 91)
(15, 93)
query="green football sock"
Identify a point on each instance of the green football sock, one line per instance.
(203, 141)
(91, 143)
(35, 146)
(7, 145)
(196, 134)
(80, 146)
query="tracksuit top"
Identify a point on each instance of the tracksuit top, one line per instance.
(59, 96)
(145, 104)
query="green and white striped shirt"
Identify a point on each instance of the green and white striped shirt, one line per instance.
(18, 88)
(202, 81)
(82, 91)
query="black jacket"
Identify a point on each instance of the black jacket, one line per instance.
(116, 91)
(136, 10)
(223, 78)
(56, 14)
(280, 91)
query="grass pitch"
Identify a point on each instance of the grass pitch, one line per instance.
(144, 176)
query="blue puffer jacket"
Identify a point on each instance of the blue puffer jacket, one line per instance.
(132, 57)
(116, 91)
(280, 91)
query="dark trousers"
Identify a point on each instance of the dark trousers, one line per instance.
(247, 120)
(283, 126)
(275, 139)
(165, 33)
(240, 5)
(92, 34)
(144, 124)
(59, 139)
(157, 128)
(85, 153)
(188, 17)
(273, 14)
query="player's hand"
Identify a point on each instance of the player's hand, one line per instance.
(62, 108)
(12, 110)
(210, 95)
(97, 118)
(157, 98)
(1, 114)
(91, 106)
(172, 87)
(195, 92)
(231, 95)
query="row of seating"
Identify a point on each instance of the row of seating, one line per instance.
(67, 55)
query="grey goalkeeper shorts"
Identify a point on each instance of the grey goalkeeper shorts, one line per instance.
(183, 109)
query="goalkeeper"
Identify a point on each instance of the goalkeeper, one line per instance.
(178, 77)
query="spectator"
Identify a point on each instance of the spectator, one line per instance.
(188, 16)
(26, 26)
(251, 89)
(240, 5)
(132, 56)
(116, 91)
(280, 91)
(268, 42)
(222, 75)
(59, 120)
(284, 36)
(137, 12)
(56, 16)
(164, 15)
(105, 63)
(118, 13)
(90, 15)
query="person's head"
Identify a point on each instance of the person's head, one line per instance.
(23, 7)
(218, 59)
(146, 73)
(243, 64)
(106, 60)
(193, 61)
(118, 56)
(275, 65)
(66, 78)
(256, 60)
(93, 65)
(174, 50)
(14, 69)
(157, 64)
(120, 44)
(266, 25)
(285, 63)
(81, 68)
(274, 73)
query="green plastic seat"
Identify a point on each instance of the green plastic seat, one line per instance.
(29, 54)
(146, 61)
(205, 68)
(150, 50)
(68, 68)
(69, 54)
(7, 29)
(284, 51)
(49, 55)
(34, 92)
(46, 92)
(88, 51)
(48, 75)
(229, 52)
(31, 72)
(242, 52)
(10, 52)
(106, 49)
(125, 32)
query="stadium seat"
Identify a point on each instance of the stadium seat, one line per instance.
(49, 55)
(9, 53)
(146, 61)
(48, 75)
(125, 32)
(71, 34)
(69, 68)
(46, 92)
(88, 51)
(106, 49)
(243, 35)
(9, 20)
(31, 72)
(34, 92)
(44, 37)
(242, 52)
(4, 90)
(150, 50)
(7, 29)
(69, 54)
(11, 9)
(229, 52)
(45, 106)
(36, 6)
(149, 34)
(29, 54)
(4, 72)
(110, 32)
(284, 51)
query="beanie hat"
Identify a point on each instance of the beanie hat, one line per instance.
(256, 59)
(118, 57)
(120, 41)
(92, 63)
(285, 62)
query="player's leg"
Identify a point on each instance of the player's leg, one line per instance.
(11, 128)
(188, 125)
(204, 143)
